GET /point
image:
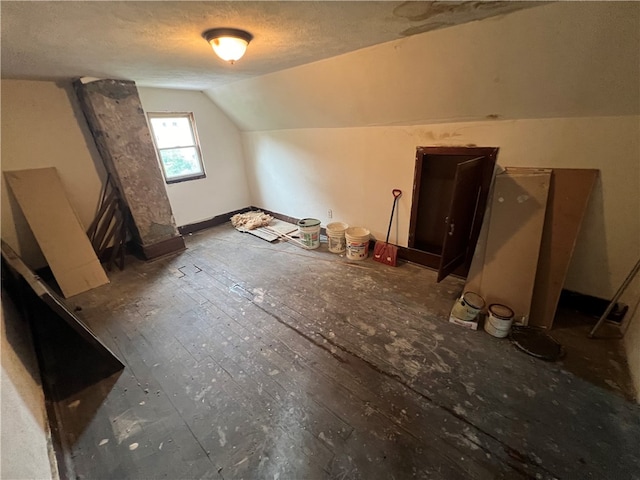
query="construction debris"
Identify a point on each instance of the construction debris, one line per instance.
(250, 220)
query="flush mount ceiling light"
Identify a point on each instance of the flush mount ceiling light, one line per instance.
(228, 43)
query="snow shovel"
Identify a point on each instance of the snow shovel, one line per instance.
(384, 252)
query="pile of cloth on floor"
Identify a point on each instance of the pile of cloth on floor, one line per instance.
(250, 220)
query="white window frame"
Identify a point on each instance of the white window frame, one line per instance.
(196, 145)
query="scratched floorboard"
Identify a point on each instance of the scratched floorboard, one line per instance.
(251, 360)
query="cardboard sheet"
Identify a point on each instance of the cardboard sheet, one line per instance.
(568, 197)
(57, 229)
(279, 225)
(505, 263)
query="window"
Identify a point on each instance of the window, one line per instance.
(176, 141)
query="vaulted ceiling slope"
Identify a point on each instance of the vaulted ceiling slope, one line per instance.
(159, 44)
(565, 59)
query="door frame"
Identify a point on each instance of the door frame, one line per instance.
(431, 260)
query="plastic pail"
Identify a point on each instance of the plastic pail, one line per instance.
(336, 238)
(357, 243)
(309, 230)
(468, 306)
(499, 320)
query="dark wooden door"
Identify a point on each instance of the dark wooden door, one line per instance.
(432, 198)
(464, 202)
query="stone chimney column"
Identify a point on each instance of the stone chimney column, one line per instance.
(119, 126)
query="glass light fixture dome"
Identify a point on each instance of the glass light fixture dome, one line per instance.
(229, 44)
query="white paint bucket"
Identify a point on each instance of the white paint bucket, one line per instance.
(336, 238)
(468, 306)
(357, 243)
(499, 320)
(309, 231)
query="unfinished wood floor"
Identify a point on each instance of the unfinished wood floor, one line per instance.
(251, 360)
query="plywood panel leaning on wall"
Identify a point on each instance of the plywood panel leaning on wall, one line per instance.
(505, 263)
(568, 197)
(57, 229)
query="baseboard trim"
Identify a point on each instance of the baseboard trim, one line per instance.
(428, 260)
(162, 248)
(225, 217)
(592, 306)
(420, 257)
(212, 222)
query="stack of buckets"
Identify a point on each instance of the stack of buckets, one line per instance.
(342, 238)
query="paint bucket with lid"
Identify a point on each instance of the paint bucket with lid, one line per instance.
(309, 232)
(336, 237)
(357, 243)
(468, 306)
(499, 320)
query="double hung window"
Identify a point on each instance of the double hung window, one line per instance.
(176, 142)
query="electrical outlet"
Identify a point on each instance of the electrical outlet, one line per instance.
(329, 213)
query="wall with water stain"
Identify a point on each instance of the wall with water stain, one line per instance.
(353, 170)
(568, 59)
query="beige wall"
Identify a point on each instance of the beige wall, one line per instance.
(563, 59)
(225, 187)
(353, 170)
(42, 126)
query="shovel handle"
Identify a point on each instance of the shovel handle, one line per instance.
(396, 193)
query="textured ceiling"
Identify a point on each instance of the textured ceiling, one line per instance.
(159, 43)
